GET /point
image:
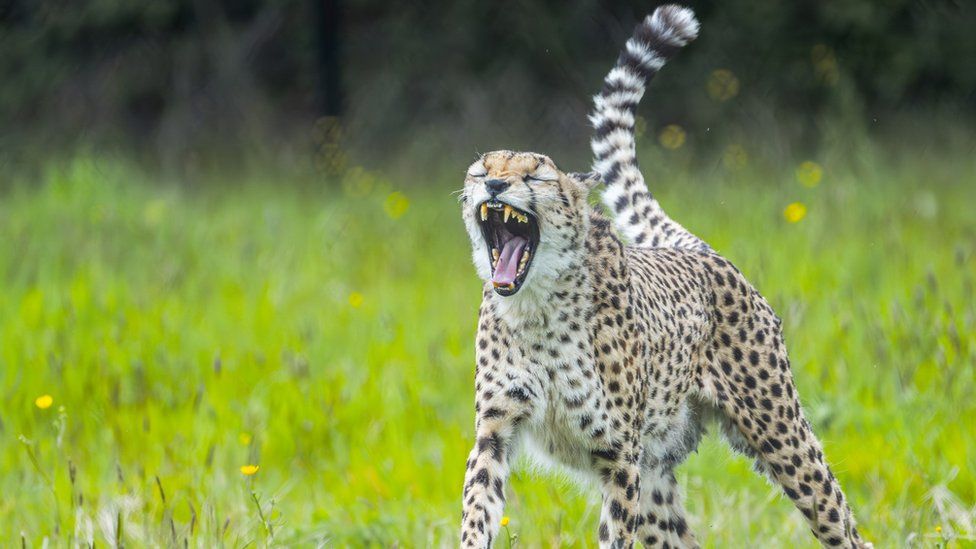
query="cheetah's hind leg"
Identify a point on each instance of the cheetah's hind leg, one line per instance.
(751, 386)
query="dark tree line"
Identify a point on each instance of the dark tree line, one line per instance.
(181, 75)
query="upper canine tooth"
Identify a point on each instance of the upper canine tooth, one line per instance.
(484, 211)
(508, 212)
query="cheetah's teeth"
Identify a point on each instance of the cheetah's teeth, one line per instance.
(509, 286)
(494, 255)
(523, 262)
(508, 213)
(484, 211)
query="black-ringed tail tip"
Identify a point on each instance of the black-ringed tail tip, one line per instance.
(672, 24)
(512, 237)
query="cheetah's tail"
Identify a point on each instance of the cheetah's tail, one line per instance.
(638, 216)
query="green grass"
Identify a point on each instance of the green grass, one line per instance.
(326, 334)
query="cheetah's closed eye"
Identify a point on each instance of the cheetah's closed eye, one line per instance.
(609, 358)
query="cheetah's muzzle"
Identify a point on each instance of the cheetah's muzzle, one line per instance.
(512, 237)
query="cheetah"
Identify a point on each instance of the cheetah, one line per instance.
(607, 358)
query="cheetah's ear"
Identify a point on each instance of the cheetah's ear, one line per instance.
(587, 180)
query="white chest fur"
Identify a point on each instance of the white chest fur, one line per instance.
(561, 358)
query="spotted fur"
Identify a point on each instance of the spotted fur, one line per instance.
(610, 359)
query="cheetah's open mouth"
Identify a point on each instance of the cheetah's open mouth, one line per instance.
(512, 237)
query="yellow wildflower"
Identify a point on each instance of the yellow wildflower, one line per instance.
(938, 529)
(249, 470)
(795, 212)
(44, 402)
(154, 212)
(809, 173)
(356, 300)
(735, 157)
(504, 521)
(825, 64)
(672, 137)
(245, 438)
(722, 85)
(396, 205)
(640, 126)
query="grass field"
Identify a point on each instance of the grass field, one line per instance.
(155, 338)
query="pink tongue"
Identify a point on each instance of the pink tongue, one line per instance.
(508, 261)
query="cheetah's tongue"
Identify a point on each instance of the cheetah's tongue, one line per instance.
(508, 260)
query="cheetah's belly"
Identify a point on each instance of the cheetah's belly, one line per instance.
(555, 448)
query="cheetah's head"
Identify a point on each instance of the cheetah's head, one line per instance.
(527, 219)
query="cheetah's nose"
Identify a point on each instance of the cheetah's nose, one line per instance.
(496, 186)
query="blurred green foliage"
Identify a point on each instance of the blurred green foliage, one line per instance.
(184, 78)
(325, 335)
(160, 330)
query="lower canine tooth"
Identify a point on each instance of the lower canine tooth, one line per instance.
(484, 211)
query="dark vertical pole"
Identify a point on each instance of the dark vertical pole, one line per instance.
(325, 15)
(330, 159)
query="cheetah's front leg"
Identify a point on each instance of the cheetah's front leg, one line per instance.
(505, 402)
(620, 475)
(662, 522)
